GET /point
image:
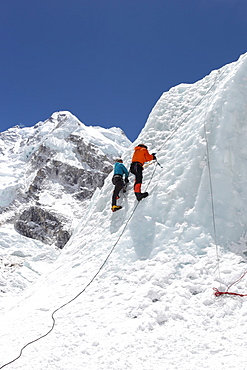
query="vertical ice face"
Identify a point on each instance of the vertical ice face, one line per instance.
(213, 112)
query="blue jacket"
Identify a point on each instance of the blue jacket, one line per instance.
(120, 169)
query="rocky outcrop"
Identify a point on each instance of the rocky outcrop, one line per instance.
(38, 223)
(73, 180)
(89, 153)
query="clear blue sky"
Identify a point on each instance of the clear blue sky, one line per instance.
(109, 61)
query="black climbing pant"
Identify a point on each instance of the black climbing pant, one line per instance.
(136, 168)
(117, 180)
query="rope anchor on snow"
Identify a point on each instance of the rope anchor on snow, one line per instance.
(218, 293)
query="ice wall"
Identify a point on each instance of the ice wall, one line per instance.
(184, 121)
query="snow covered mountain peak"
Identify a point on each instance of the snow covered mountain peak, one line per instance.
(61, 137)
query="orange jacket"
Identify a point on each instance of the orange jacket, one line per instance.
(141, 155)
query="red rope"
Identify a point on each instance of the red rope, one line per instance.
(218, 293)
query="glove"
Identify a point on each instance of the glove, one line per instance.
(154, 157)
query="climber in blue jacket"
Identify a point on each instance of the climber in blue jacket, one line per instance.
(119, 171)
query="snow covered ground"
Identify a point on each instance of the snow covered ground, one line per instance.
(136, 287)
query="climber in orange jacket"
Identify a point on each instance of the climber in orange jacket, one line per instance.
(140, 156)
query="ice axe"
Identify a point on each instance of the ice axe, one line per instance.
(154, 155)
(159, 164)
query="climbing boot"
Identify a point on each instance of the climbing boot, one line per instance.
(140, 196)
(115, 208)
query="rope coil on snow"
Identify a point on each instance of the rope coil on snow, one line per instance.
(219, 293)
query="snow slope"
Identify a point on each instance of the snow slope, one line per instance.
(139, 282)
